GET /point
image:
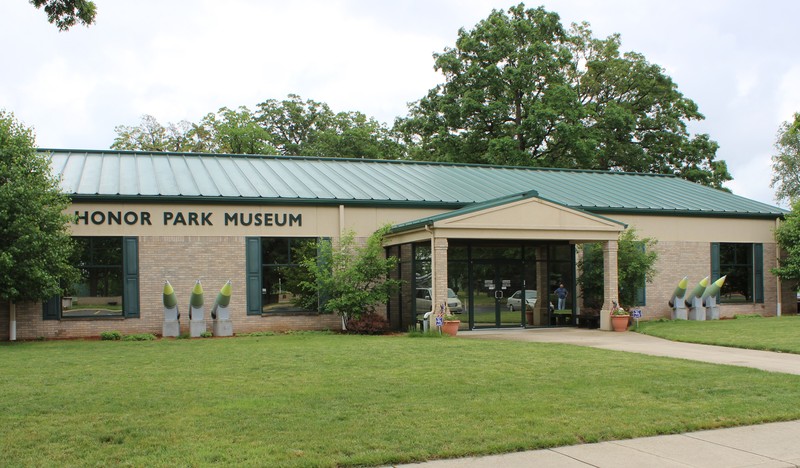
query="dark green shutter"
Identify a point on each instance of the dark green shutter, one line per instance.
(715, 264)
(639, 296)
(758, 271)
(323, 296)
(130, 267)
(253, 270)
(51, 308)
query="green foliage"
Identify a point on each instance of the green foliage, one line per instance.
(234, 132)
(311, 128)
(206, 334)
(348, 278)
(35, 243)
(112, 335)
(139, 337)
(67, 13)
(290, 127)
(521, 90)
(786, 163)
(787, 236)
(636, 259)
(261, 333)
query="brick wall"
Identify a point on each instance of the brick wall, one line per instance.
(693, 259)
(181, 260)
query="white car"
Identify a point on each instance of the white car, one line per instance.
(515, 300)
(424, 301)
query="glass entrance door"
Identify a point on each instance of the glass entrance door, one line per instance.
(493, 284)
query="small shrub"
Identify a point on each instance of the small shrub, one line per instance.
(747, 316)
(308, 332)
(139, 337)
(413, 333)
(184, 336)
(368, 324)
(111, 335)
(261, 333)
(206, 334)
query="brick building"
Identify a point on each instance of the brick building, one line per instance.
(483, 239)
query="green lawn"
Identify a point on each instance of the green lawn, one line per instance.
(767, 333)
(330, 400)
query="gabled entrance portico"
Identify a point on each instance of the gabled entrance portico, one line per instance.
(491, 251)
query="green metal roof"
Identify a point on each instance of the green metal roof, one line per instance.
(195, 177)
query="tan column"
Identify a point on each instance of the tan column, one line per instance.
(439, 267)
(540, 309)
(610, 282)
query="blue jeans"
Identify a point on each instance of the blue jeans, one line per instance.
(562, 303)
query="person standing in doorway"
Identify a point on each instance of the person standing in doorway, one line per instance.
(561, 294)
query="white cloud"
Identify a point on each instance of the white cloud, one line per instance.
(788, 95)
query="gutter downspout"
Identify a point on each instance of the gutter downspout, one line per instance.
(12, 321)
(777, 263)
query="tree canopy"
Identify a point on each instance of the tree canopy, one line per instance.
(290, 127)
(787, 234)
(786, 163)
(67, 13)
(35, 243)
(520, 89)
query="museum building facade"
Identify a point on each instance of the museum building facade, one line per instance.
(491, 243)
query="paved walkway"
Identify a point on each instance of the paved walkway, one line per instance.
(638, 343)
(763, 446)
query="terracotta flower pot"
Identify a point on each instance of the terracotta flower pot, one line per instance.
(450, 327)
(620, 322)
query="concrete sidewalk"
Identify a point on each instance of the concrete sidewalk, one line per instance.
(763, 446)
(644, 344)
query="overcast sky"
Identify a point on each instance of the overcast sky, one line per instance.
(178, 60)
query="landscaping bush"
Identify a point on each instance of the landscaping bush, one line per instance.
(111, 335)
(369, 323)
(139, 337)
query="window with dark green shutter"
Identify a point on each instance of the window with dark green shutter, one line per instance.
(273, 272)
(253, 267)
(109, 281)
(743, 266)
(130, 285)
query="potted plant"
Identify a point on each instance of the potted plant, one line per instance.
(619, 318)
(451, 324)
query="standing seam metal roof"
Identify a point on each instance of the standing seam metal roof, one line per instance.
(105, 175)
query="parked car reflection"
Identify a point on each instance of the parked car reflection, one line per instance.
(515, 300)
(424, 301)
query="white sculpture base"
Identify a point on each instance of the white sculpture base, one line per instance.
(171, 328)
(197, 328)
(222, 327)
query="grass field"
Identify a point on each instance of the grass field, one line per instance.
(330, 400)
(765, 333)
